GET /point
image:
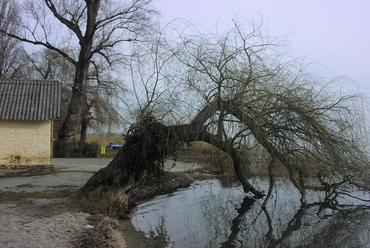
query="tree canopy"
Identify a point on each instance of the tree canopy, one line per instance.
(243, 93)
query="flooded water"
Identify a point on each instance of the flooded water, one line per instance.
(210, 214)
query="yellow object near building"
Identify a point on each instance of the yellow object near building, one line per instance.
(102, 150)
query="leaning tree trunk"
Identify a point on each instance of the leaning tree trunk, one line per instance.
(146, 147)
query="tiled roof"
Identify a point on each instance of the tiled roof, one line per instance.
(29, 100)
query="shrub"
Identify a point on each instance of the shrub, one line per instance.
(76, 150)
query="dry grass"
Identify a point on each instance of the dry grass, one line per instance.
(101, 235)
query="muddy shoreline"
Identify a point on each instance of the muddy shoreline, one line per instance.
(44, 198)
(172, 181)
(44, 211)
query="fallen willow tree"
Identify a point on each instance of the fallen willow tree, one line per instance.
(247, 100)
(149, 142)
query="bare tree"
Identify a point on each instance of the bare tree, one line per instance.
(11, 52)
(263, 100)
(103, 95)
(249, 96)
(101, 89)
(49, 65)
(95, 28)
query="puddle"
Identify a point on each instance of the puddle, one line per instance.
(209, 214)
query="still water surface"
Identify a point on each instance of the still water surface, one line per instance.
(211, 214)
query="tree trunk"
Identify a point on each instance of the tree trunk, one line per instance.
(83, 131)
(147, 145)
(78, 102)
(141, 155)
(144, 152)
(71, 123)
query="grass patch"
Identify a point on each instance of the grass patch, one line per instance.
(20, 196)
(27, 172)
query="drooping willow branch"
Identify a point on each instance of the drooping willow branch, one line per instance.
(149, 142)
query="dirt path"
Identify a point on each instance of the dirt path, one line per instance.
(69, 174)
(32, 213)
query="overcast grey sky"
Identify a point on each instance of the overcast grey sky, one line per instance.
(335, 34)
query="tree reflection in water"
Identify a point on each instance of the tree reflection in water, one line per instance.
(209, 215)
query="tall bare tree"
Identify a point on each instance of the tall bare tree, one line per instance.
(101, 89)
(94, 27)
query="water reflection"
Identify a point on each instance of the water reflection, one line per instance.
(210, 215)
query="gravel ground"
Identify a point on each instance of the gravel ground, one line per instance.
(39, 223)
(48, 223)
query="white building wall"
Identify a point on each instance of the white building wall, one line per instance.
(25, 143)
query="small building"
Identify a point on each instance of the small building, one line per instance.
(27, 111)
